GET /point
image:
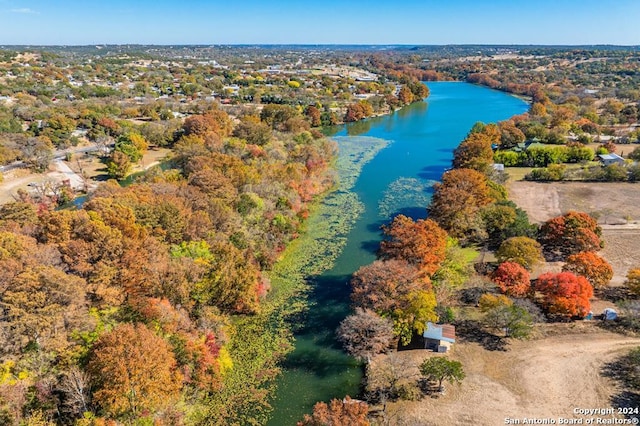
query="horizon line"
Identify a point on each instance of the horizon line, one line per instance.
(325, 44)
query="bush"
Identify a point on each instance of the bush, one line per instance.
(508, 158)
(409, 392)
(555, 172)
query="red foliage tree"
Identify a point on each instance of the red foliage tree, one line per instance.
(565, 294)
(512, 279)
(421, 243)
(591, 266)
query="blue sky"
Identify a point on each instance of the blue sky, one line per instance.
(320, 22)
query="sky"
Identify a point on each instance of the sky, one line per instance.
(413, 22)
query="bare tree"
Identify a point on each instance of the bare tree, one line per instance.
(365, 334)
(75, 386)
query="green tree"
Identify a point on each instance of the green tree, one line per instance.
(441, 369)
(515, 321)
(522, 250)
(119, 165)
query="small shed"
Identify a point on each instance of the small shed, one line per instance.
(609, 159)
(439, 337)
(609, 314)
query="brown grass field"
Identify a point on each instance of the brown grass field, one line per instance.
(615, 205)
(546, 377)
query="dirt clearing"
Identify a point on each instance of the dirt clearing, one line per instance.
(615, 205)
(544, 378)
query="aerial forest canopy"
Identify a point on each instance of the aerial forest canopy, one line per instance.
(122, 308)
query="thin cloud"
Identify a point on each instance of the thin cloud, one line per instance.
(25, 10)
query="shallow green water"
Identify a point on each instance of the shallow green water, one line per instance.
(398, 180)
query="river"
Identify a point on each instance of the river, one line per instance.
(397, 180)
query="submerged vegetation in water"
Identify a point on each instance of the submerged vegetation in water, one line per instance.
(402, 193)
(261, 340)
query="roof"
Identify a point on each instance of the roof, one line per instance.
(610, 157)
(446, 332)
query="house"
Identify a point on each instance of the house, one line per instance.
(609, 159)
(531, 143)
(439, 337)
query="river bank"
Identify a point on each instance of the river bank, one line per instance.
(262, 340)
(397, 180)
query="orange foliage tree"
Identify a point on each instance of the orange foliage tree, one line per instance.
(133, 371)
(474, 153)
(591, 266)
(571, 233)
(380, 285)
(457, 201)
(565, 294)
(512, 279)
(338, 413)
(421, 243)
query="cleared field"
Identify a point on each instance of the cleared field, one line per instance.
(88, 165)
(543, 378)
(615, 205)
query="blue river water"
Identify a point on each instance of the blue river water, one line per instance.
(422, 138)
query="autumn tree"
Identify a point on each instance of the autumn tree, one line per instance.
(440, 369)
(633, 281)
(365, 334)
(405, 95)
(475, 152)
(565, 294)
(41, 307)
(314, 115)
(133, 371)
(213, 121)
(513, 279)
(133, 145)
(591, 266)
(277, 115)
(421, 243)
(347, 412)
(231, 281)
(354, 113)
(119, 165)
(457, 201)
(525, 251)
(378, 286)
(395, 289)
(571, 233)
(254, 132)
(510, 135)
